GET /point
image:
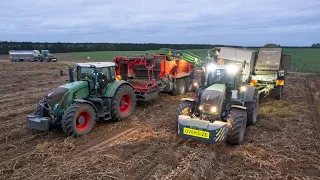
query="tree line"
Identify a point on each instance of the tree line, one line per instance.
(86, 47)
(61, 47)
(315, 45)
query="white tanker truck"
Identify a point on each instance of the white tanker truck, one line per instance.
(31, 56)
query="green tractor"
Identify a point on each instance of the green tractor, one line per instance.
(47, 56)
(224, 105)
(77, 105)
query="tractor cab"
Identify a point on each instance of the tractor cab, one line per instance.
(228, 74)
(98, 75)
(45, 53)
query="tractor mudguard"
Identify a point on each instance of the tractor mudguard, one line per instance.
(248, 94)
(194, 128)
(239, 107)
(88, 102)
(112, 88)
(187, 99)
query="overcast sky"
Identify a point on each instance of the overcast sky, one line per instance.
(229, 22)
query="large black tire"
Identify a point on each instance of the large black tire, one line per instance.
(279, 91)
(236, 127)
(79, 119)
(189, 84)
(179, 87)
(123, 103)
(252, 109)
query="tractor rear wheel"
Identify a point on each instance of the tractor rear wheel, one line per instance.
(179, 87)
(78, 119)
(236, 126)
(123, 103)
(252, 109)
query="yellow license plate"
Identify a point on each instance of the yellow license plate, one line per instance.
(196, 133)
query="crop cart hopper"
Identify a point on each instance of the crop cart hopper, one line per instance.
(151, 74)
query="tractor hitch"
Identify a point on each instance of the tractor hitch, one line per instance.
(194, 128)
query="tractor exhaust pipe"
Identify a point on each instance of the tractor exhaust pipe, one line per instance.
(70, 74)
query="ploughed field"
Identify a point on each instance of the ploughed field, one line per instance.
(284, 144)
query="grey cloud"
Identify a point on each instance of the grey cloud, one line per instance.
(188, 21)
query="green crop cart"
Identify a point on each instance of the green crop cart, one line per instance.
(77, 105)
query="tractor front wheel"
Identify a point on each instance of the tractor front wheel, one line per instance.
(252, 109)
(123, 103)
(78, 119)
(185, 108)
(236, 126)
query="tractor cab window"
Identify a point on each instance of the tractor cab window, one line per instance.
(86, 73)
(106, 75)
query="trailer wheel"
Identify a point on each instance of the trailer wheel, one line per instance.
(236, 126)
(252, 109)
(179, 87)
(189, 84)
(279, 91)
(78, 119)
(123, 103)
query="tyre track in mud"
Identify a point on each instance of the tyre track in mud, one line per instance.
(151, 166)
(29, 97)
(123, 134)
(29, 87)
(21, 95)
(27, 84)
(312, 102)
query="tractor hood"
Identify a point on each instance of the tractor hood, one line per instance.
(76, 85)
(58, 97)
(213, 98)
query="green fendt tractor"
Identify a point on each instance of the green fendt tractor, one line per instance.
(77, 105)
(225, 103)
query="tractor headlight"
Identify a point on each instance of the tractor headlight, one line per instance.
(232, 69)
(195, 84)
(213, 109)
(200, 107)
(211, 67)
(243, 88)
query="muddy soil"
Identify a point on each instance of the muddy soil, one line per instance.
(285, 143)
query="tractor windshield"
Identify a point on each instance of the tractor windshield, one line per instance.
(107, 73)
(45, 52)
(86, 72)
